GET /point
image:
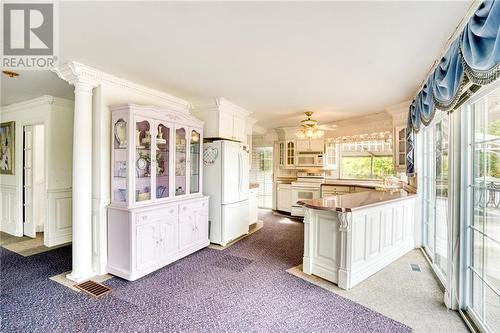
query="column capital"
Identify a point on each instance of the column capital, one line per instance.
(75, 74)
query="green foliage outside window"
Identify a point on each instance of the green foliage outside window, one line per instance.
(361, 167)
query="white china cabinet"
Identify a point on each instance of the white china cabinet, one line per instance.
(157, 213)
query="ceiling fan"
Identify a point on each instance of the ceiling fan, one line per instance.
(310, 129)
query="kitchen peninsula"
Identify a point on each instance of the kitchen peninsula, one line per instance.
(349, 237)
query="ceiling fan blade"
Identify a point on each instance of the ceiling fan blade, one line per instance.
(327, 127)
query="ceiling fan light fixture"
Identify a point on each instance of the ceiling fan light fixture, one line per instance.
(309, 128)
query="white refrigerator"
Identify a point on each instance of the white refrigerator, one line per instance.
(225, 180)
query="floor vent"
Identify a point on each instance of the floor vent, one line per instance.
(93, 288)
(415, 267)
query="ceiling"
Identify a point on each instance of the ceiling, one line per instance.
(277, 59)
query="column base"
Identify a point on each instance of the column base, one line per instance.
(344, 279)
(80, 278)
(307, 265)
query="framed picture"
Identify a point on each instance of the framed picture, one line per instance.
(7, 147)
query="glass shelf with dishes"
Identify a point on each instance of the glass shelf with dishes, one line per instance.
(119, 186)
(194, 149)
(153, 158)
(143, 160)
(180, 161)
(162, 161)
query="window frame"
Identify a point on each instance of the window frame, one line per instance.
(429, 194)
(359, 151)
(467, 211)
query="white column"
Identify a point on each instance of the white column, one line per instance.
(82, 183)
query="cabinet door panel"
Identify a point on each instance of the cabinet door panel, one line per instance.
(316, 145)
(147, 245)
(201, 224)
(239, 129)
(168, 237)
(186, 230)
(302, 145)
(226, 125)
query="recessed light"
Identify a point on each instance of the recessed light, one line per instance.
(10, 74)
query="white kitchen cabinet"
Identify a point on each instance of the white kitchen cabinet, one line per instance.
(282, 153)
(284, 197)
(400, 148)
(316, 145)
(302, 145)
(239, 128)
(142, 240)
(253, 205)
(290, 153)
(225, 126)
(331, 155)
(223, 119)
(309, 145)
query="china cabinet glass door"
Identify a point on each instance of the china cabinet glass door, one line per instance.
(194, 149)
(162, 160)
(120, 160)
(180, 161)
(142, 160)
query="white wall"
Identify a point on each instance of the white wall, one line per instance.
(57, 117)
(39, 192)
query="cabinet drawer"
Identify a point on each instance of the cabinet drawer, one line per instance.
(150, 215)
(330, 188)
(189, 207)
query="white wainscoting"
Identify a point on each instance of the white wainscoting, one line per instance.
(59, 217)
(9, 211)
(347, 248)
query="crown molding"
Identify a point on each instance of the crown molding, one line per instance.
(218, 104)
(75, 72)
(398, 108)
(175, 116)
(36, 102)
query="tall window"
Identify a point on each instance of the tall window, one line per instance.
(435, 193)
(261, 173)
(483, 223)
(367, 159)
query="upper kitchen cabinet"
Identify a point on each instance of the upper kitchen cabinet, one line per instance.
(290, 153)
(400, 148)
(309, 145)
(330, 155)
(223, 119)
(281, 146)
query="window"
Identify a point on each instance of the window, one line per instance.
(435, 193)
(367, 159)
(261, 173)
(483, 222)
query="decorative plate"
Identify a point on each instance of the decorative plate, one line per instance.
(121, 132)
(142, 163)
(210, 155)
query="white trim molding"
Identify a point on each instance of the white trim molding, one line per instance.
(74, 71)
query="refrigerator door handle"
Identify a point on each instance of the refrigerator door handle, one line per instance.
(240, 173)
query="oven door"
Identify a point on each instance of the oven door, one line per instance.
(302, 193)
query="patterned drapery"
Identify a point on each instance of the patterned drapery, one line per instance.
(474, 56)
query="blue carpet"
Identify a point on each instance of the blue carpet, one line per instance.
(242, 289)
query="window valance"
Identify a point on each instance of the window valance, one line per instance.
(474, 56)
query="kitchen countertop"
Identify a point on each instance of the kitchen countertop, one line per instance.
(355, 201)
(359, 183)
(285, 180)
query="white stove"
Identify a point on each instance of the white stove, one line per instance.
(306, 187)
